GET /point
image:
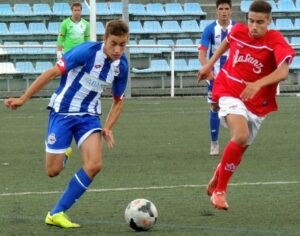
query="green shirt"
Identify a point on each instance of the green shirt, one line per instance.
(73, 33)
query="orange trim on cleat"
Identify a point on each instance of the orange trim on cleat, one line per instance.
(218, 200)
(213, 183)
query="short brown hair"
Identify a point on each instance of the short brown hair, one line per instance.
(76, 4)
(261, 6)
(116, 27)
(219, 2)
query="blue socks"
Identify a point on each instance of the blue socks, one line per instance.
(77, 186)
(214, 122)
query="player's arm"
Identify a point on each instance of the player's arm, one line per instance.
(87, 33)
(118, 90)
(40, 82)
(202, 56)
(276, 76)
(111, 119)
(206, 69)
(60, 40)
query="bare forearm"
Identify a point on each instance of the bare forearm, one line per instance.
(224, 46)
(251, 89)
(277, 75)
(114, 114)
(40, 82)
(202, 57)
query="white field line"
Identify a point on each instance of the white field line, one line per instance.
(150, 188)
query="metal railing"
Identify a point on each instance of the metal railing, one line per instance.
(171, 47)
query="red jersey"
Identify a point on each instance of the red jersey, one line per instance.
(249, 60)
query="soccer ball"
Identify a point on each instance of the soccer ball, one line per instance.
(141, 214)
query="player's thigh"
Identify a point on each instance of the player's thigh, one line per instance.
(54, 160)
(85, 127)
(233, 114)
(238, 126)
(91, 152)
(59, 134)
(254, 125)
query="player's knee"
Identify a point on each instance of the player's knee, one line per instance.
(93, 167)
(52, 172)
(241, 139)
(96, 167)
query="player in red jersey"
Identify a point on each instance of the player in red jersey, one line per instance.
(245, 89)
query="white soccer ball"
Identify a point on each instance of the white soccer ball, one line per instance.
(141, 214)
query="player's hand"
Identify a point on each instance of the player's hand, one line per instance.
(250, 90)
(108, 137)
(205, 73)
(13, 103)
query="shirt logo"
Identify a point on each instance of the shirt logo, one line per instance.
(249, 59)
(93, 83)
(98, 66)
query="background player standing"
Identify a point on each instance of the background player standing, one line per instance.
(211, 39)
(73, 31)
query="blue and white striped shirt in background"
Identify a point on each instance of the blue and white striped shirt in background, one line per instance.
(211, 39)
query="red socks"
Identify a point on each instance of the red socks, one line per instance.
(231, 158)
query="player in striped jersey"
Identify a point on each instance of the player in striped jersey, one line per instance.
(211, 39)
(245, 88)
(85, 72)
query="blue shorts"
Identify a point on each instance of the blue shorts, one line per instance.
(62, 129)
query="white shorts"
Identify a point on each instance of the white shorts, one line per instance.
(231, 105)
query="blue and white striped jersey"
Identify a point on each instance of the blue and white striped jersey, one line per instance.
(86, 72)
(211, 39)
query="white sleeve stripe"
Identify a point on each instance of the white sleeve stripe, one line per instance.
(288, 58)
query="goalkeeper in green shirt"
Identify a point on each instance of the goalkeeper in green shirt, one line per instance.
(73, 31)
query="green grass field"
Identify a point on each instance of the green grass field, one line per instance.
(161, 154)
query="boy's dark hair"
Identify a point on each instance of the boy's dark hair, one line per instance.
(76, 4)
(260, 6)
(116, 27)
(219, 2)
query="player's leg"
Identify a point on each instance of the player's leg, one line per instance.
(231, 157)
(233, 115)
(214, 124)
(68, 154)
(211, 187)
(54, 163)
(58, 140)
(91, 150)
(238, 126)
(88, 138)
(214, 121)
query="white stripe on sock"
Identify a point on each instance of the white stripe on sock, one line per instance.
(80, 182)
